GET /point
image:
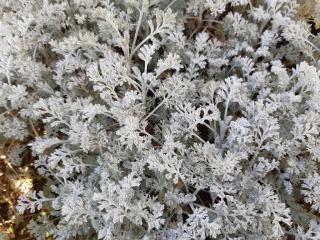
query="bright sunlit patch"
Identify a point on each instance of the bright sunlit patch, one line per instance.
(24, 185)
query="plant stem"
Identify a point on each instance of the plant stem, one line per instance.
(141, 12)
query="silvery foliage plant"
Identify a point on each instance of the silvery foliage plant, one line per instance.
(164, 119)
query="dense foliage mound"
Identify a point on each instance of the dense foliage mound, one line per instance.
(164, 119)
